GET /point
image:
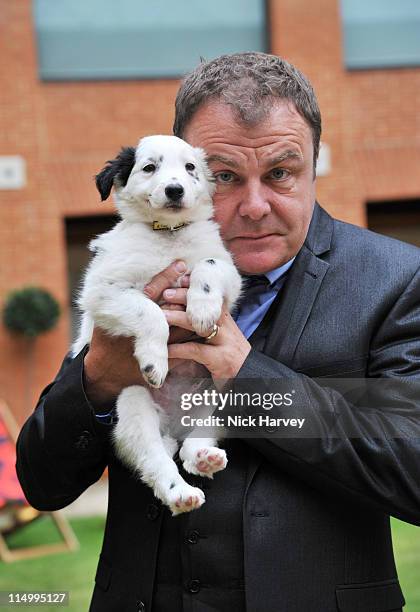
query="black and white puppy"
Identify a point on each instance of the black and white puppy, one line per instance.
(163, 190)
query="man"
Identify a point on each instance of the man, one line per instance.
(294, 523)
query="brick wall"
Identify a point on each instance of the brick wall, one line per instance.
(65, 131)
(370, 118)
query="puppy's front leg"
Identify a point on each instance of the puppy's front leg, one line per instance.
(212, 281)
(128, 312)
(151, 347)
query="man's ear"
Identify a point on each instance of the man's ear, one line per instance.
(119, 168)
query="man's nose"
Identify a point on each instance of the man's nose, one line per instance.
(254, 202)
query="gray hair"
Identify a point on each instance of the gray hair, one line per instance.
(248, 82)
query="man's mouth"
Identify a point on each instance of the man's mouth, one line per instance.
(253, 236)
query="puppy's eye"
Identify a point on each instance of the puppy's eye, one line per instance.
(189, 167)
(149, 168)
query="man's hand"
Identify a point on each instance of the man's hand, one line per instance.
(223, 355)
(109, 366)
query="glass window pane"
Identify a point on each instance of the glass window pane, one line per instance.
(88, 39)
(381, 33)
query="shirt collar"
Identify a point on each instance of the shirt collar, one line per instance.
(274, 275)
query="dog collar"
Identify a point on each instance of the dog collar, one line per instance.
(156, 225)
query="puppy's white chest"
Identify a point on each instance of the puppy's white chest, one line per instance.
(135, 255)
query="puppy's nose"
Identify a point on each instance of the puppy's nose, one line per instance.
(174, 192)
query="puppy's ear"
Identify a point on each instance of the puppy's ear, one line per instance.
(116, 169)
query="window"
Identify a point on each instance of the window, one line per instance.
(131, 39)
(381, 33)
(398, 219)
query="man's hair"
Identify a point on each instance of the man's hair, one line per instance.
(248, 82)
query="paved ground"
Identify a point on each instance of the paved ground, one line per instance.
(92, 502)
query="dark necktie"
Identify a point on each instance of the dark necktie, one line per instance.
(252, 287)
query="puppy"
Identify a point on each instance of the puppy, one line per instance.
(163, 191)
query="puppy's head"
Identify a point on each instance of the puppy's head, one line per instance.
(163, 179)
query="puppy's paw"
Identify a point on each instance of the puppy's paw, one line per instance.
(184, 498)
(203, 313)
(207, 461)
(154, 368)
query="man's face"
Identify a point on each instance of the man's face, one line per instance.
(265, 187)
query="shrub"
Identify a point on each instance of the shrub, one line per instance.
(30, 311)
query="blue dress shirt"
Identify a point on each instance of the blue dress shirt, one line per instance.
(257, 302)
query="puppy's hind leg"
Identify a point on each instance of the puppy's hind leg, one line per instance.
(138, 442)
(202, 456)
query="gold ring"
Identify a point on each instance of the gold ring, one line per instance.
(213, 332)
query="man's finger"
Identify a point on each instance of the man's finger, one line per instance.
(166, 306)
(178, 319)
(175, 296)
(193, 351)
(165, 279)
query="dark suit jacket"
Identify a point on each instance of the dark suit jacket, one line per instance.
(316, 510)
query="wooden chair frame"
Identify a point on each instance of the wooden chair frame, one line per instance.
(24, 515)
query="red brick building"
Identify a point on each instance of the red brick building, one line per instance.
(66, 130)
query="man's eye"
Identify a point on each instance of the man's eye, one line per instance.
(149, 168)
(225, 177)
(278, 174)
(189, 167)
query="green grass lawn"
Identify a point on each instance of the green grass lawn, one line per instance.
(406, 540)
(74, 572)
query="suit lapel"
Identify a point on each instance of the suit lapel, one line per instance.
(290, 310)
(294, 307)
(295, 301)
